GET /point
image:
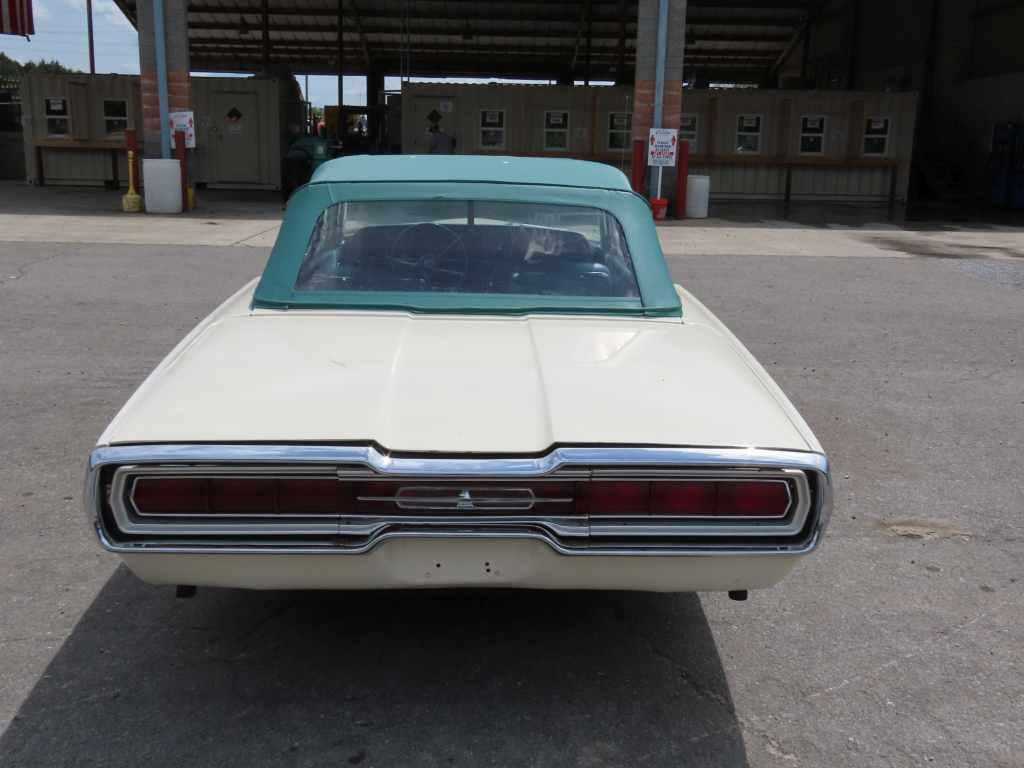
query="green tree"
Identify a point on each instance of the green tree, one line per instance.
(10, 68)
(48, 67)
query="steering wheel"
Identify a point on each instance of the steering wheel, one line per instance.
(435, 255)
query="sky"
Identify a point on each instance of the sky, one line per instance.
(61, 35)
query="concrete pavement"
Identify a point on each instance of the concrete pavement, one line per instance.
(69, 215)
(897, 644)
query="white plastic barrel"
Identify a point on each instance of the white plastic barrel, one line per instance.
(698, 190)
(162, 181)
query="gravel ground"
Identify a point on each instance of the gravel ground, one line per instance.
(897, 644)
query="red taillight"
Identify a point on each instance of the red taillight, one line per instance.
(616, 498)
(688, 498)
(752, 499)
(260, 496)
(239, 496)
(315, 497)
(683, 499)
(164, 496)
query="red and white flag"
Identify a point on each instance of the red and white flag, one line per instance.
(16, 18)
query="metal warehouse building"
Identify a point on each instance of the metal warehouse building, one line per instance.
(823, 145)
(854, 100)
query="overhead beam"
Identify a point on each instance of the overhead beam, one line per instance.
(696, 20)
(541, 15)
(713, 37)
(482, 68)
(330, 29)
(796, 6)
(798, 37)
(325, 63)
(802, 35)
(740, 37)
(299, 45)
(544, 15)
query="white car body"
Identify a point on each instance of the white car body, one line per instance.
(529, 383)
(472, 409)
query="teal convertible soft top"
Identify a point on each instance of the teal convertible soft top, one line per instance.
(556, 181)
(496, 169)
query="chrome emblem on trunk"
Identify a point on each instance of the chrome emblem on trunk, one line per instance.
(473, 499)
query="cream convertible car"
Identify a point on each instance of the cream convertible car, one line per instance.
(461, 372)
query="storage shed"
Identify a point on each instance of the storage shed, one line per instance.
(754, 143)
(73, 126)
(74, 129)
(239, 132)
(555, 120)
(824, 145)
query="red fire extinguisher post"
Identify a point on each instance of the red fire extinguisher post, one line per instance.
(179, 152)
(682, 171)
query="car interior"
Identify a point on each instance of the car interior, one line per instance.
(479, 257)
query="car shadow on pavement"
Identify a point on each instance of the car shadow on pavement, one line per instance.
(417, 678)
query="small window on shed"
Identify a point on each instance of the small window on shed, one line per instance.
(620, 129)
(556, 131)
(748, 134)
(492, 128)
(115, 116)
(876, 136)
(688, 130)
(58, 117)
(812, 134)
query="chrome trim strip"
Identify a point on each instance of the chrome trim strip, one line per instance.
(511, 466)
(218, 525)
(132, 521)
(604, 460)
(666, 475)
(633, 551)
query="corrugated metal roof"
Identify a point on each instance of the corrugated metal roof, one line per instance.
(513, 38)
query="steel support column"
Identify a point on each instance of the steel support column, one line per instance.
(650, 89)
(160, 41)
(341, 63)
(92, 45)
(164, 66)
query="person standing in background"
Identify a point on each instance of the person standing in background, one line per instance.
(440, 142)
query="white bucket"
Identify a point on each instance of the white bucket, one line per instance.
(162, 182)
(698, 191)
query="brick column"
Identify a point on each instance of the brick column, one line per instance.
(179, 88)
(646, 53)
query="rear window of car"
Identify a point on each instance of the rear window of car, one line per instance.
(468, 247)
